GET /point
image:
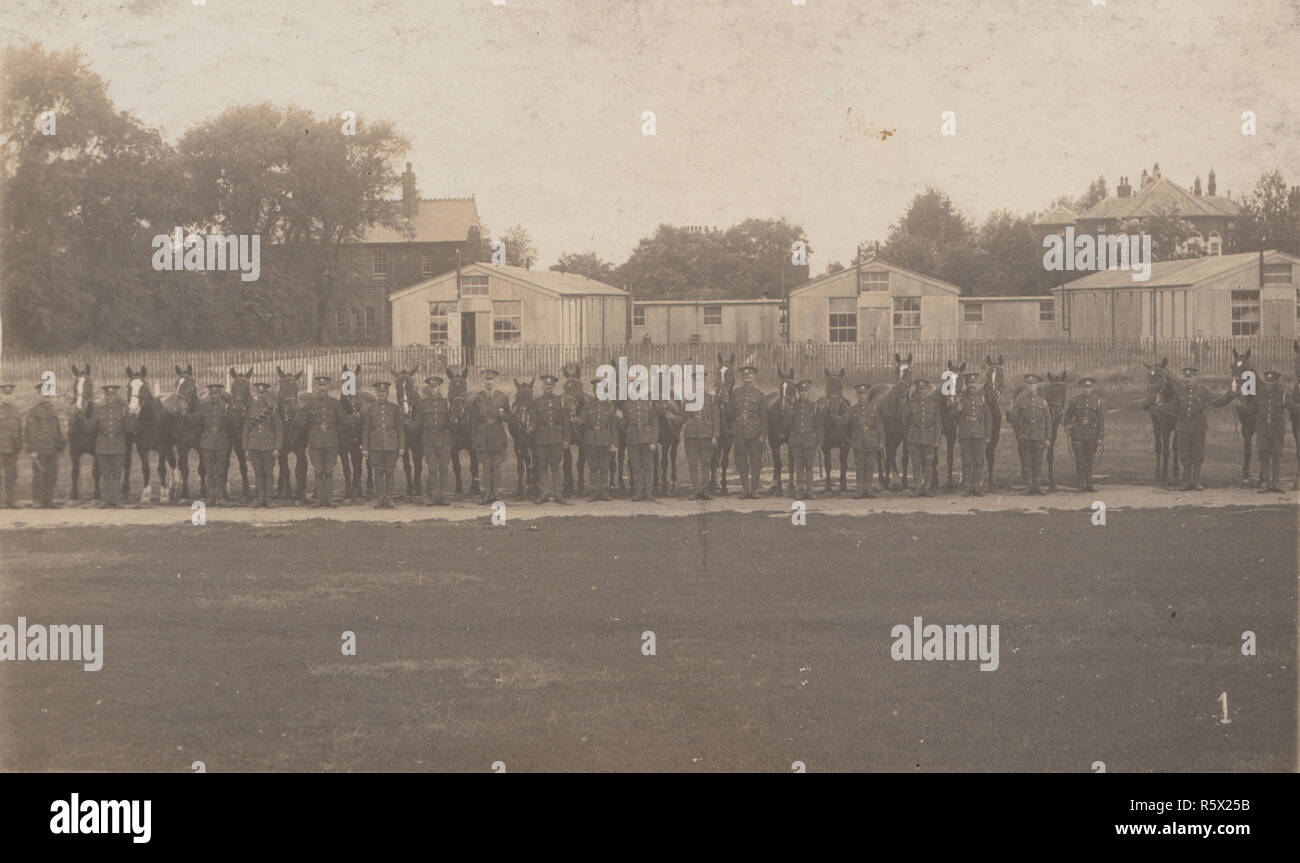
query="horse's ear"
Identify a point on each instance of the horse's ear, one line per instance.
(1164, 363)
(950, 368)
(720, 362)
(143, 369)
(962, 367)
(298, 373)
(732, 361)
(179, 370)
(1234, 354)
(897, 359)
(279, 371)
(841, 371)
(189, 368)
(1050, 379)
(1246, 355)
(1295, 346)
(249, 373)
(356, 369)
(233, 372)
(129, 373)
(988, 360)
(1062, 374)
(74, 370)
(516, 380)
(828, 372)
(999, 359)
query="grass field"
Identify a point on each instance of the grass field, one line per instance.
(522, 644)
(1128, 458)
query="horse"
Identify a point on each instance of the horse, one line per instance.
(1161, 390)
(891, 418)
(948, 419)
(778, 405)
(1053, 392)
(575, 398)
(153, 433)
(522, 425)
(995, 379)
(723, 383)
(297, 429)
(672, 416)
(187, 428)
(1247, 410)
(354, 411)
(835, 429)
(408, 405)
(239, 398)
(1293, 408)
(462, 432)
(81, 437)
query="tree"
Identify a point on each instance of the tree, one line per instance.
(303, 186)
(1011, 258)
(934, 239)
(762, 253)
(520, 251)
(1171, 235)
(1270, 217)
(78, 207)
(586, 264)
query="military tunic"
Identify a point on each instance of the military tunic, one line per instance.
(866, 436)
(1270, 426)
(974, 427)
(748, 423)
(1190, 425)
(214, 444)
(382, 434)
(436, 436)
(489, 413)
(11, 443)
(325, 421)
(640, 431)
(922, 428)
(1085, 422)
(1032, 418)
(700, 432)
(110, 425)
(550, 438)
(44, 439)
(804, 428)
(597, 433)
(261, 436)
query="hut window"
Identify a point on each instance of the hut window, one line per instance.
(875, 281)
(843, 319)
(1245, 313)
(506, 320)
(472, 285)
(426, 263)
(638, 316)
(713, 316)
(1277, 274)
(379, 262)
(437, 323)
(1216, 243)
(907, 318)
(973, 313)
(1046, 311)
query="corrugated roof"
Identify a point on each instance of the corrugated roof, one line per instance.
(437, 220)
(1165, 274)
(877, 263)
(564, 284)
(1158, 195)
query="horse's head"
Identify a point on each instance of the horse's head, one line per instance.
(834, 384)
(524, 393)
(187, 391)
(1160, 383)
(83, 388)
(725, 381)
(903, 367)
(1054, 390)
(958, 374)
(785, 388)
(457, 384)
(241, 387)
(406, 391)
(1241, 363)
(995, 378)
(139, 398)
(289, 384)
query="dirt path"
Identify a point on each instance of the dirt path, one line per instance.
(1116, 497)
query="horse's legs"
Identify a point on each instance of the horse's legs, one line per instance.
(672, 462)
(415, 492)
(1051, 461)
(951, 441)
(473, 471)
(243, 468)
(74, 456)
(455, 468)
(144, 472)
(1247, 435)
(126, 468)
(776, 469)
(1295, 433)
(300, 473)
(902, 463)
(989, 449)
(844, 467)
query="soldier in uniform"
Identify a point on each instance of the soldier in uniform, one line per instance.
(1270, 427)
(641, 434)
(435, 435)
(804, 426)
(382, 437)
(866, 434)
(11, 443)
(262, 438)
(550, 438)
(923, 426)
(1085, 423)
(748, 417)
(1031, 417)
(974, 425)
(214, 441)
(489, 415)
(596, 431)
(326, 418)
(44, 438)
(110, 425)
(1190, 407)
(700, 432)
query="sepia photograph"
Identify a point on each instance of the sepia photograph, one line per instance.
(649, 386)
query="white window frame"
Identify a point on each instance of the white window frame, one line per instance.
(1244, 312)
(841, 327)
(507, 335)
(903, 332)
(379, 262)
(1048, 308)
(480, 288)
(708, 312)
(968, 308)
(638, 315)
(439, 320)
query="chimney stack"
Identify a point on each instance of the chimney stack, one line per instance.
(1123, 190)
(1146, 178)
(1209, 188)
(1155, 171)
(409, 202)
(1196, 186)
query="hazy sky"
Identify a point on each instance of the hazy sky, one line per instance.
(764, 108)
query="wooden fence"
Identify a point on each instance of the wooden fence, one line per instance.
(869, 360)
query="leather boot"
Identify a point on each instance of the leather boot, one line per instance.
(1196, 478)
